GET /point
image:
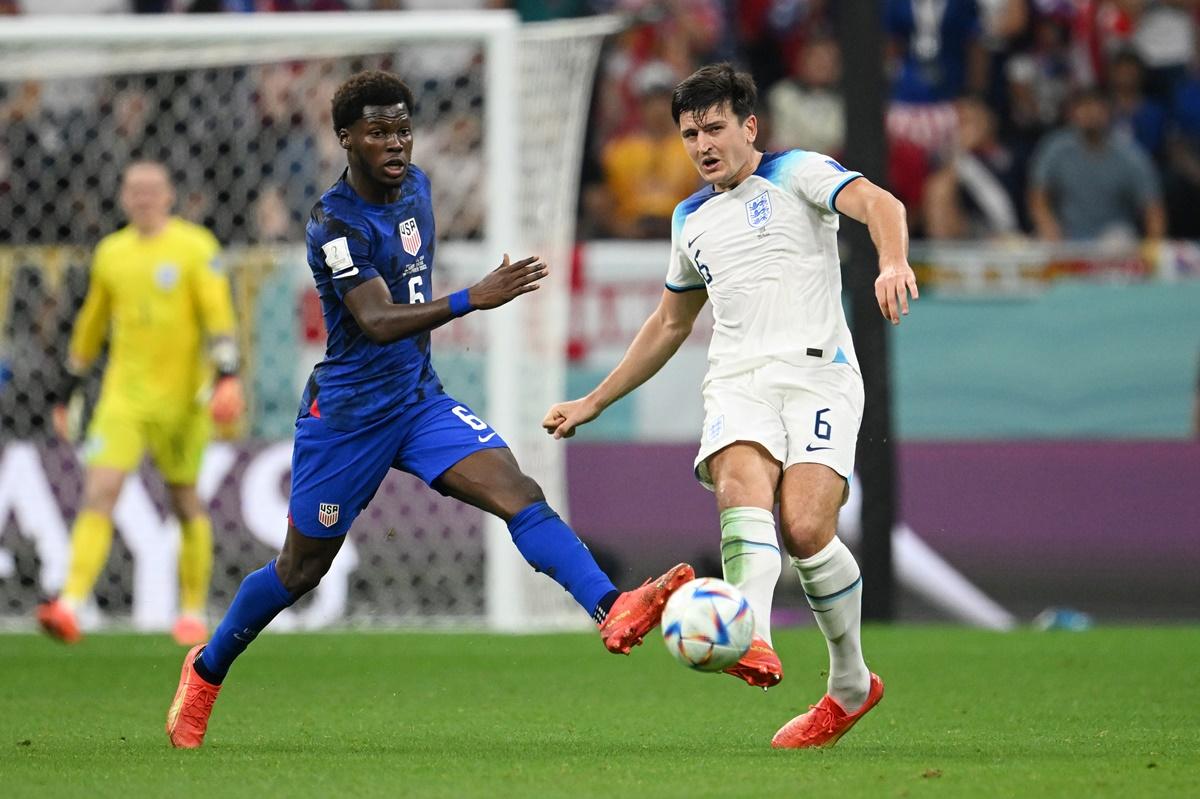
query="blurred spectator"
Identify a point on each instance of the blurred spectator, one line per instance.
(1183, 158)
(972, 195)
(647, 171)
(1134, 114)
(1165, 37)
(770, 34)
(1086, 183)
(32, 333)
(1039, 78)
(448, 150)
(806, 110)
(937, 55)
(681, 33)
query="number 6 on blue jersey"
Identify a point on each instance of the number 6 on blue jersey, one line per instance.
(471, 419)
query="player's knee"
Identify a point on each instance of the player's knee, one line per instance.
(101, 497)
(806, 534)
(300, 575)
(185, 502)
(519, 495)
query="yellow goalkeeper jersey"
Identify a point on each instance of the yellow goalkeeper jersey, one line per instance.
(158, 299)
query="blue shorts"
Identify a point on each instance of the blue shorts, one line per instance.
(335, 473)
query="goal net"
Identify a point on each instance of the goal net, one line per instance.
(238, 108)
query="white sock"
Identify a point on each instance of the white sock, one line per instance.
(751, 561)
(833, 586)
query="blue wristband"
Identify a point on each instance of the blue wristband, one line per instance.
(460, 303)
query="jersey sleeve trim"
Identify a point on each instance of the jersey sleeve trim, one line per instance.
(682, 289)
(850, 178)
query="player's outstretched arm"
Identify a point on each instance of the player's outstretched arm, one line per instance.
(384, 321)
(884, 217)
(652, 347)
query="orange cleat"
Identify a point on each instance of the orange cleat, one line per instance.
(187, 718)
(59, 621)
(825, 722)
(637, 612)
(760, 665)
(189, 631)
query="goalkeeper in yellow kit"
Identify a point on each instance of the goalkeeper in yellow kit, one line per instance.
(157, 292)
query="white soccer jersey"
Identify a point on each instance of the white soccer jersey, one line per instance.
(766, 252)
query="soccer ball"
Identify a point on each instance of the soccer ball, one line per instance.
(707, 624)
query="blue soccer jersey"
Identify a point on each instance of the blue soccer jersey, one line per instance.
(351, 241)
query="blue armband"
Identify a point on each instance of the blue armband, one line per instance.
(460, 303)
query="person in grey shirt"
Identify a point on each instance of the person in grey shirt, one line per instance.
(1086, 183)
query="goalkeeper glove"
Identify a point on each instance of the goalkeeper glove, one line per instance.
(228, 401)
(67, 413)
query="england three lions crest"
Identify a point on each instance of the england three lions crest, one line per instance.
(758, 210)
(410, 236)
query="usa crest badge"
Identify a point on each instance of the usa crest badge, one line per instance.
(410, 236)
(327, 514)
(758, 210)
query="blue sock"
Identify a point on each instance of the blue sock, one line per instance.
(551, 547)
(258, 600)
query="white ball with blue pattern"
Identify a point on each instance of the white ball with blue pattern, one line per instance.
(707, 624)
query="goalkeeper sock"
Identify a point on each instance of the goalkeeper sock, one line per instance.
(751, 561)
(551, 547)
(259, 599)
(833, 586)
(91, 539)
(195, 565)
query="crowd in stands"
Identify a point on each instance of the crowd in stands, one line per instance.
(1054, 119)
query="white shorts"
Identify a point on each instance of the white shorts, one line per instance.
(799, 414)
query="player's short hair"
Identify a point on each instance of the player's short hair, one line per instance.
(147, 163)
(372, 87)
(711, 86)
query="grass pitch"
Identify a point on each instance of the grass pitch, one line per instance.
(1109, 712)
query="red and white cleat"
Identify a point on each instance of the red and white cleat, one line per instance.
(825, 722)
(759, 667)
(58, 620)
(637, 612)
(187, 718)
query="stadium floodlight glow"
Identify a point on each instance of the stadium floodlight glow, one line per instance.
(534, 83)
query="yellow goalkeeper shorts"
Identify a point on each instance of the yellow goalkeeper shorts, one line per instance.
(117, 439)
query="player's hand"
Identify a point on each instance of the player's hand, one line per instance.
(59, 418)
(67, 418)
(228, 401)
(892, 288)
(507, 282)
(562, 419)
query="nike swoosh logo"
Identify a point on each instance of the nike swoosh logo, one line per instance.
(811, 448)
(693, 241)
(487, 438)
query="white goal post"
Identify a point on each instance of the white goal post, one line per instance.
(528, 85)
